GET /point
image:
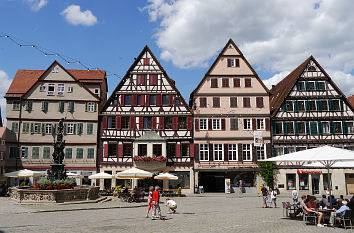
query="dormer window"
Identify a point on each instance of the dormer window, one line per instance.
(51, 89)
(55, 69)
(61, 89)
(233, 62)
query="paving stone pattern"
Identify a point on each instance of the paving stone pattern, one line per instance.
(207, 213)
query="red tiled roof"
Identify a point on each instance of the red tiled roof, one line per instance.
(351, 100)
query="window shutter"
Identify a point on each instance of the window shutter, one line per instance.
(121, 100)
(170, 100)
(142, 100)
(147, 100)
(105, 150)
(320, 129)
(307, 84)
(43, 128)
(191, 150)
(228, 62)
(146, 61)
(319, 105)
(211, 155)
(132, 123)
(331, 126)
(345, 128)
(223, 124)
(341, 105)
(104, 122)
(286, 150)
(313, 125)
(189, 123)
(226, 152)
(159, 100)
(307, 106)
(74, 129)
(196, 124)
(267, 124)
(153, 79)
(285, 109)
(237, 62)
(317, 86)
(95, 107)
(240, 159)
(178, 150)
(161, 123)
(275, 152)
(153, 123)
(285, 130)
(254, 124)
(237, 82)
(86, 107)
(307, 125)
(175, 123)
(65, 129)
(141, 122)
(268, 150)
(254, 154)
(120, 150)
(134, 98)
(118, 122)
(296, 106)
(296, 128)
(210, 122)
(330, 105)
(80, 128)
(196, 152)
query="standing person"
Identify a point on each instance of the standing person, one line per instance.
(264, 196)
(155, 202)
(171, 204)
(273, 197)
(240, 185)
(151, 189)
(295, 197)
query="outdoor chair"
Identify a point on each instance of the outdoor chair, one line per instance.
(285, 209)
(346, 218)
(308, 217)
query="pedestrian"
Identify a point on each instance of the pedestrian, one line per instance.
(155, 202)
(273, 197)
(151, 189)
(264, 192)
(295, 197)
(171, 204)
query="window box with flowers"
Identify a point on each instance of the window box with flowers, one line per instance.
(149, 162)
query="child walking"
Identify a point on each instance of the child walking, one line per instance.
(151, 189)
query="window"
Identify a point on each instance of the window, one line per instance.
(248, 82)
(182, 122)
(45, 106)
(36, 127)
(338, 127)
(336, 106)
(325, 127)
(51, 89)
(171, 149)
(310, 86)
(218, 152)
(311, 68)
(152, 99)
(24, 152)
(289, 127)
(42, 88)
(96, 91)
(90, 107)
(177, 101)
(69, 128)
(61, 105)
(15, 105)
(127, 100)
(25, 127)
(260, 152)
(291, 181)
(127, 149)
(259, 102)
(90, 153)
(313, 128)
(28, 105)
(312, 105)
(225, 82)
(147, 122)
(203, 124)
(232, 150)
(46, 152)
(301, 105)
(260, 124)
(216, 123)
(303, 181)
(48, 128)
(14, 127)
(142, 149)
(165, 100)
(246, 102)
(153, 79)
(71, 106)
(141, 79)
(324, 105)
(183, 180)
(89, 128)
(289, 106)
(321, 86)
(237, 82)
(111, 122)
(247, 124)
(203, 152)
(35, 152)
(233, 123)
(278, 128)
(185, 150)
(301, 128)
(300, 86)
(61, 89)
(112, 150)
(233, 102)
(79, 128)
(125, 122)
(214, 83)
(216, 102)
(350, 127)
(68, 153)
(79, 153)
(70, 89)
(233, 62)
(246, 152)
(168, 122)
(55, 69)
(203, 102)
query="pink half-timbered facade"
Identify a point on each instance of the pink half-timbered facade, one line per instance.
(231, 109)
(146, 116)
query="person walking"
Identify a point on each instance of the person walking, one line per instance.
(264, 192)
(155, 202)
(151, 189)
(273, 197)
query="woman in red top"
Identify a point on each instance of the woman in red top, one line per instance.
(151, 189)
(312, 203)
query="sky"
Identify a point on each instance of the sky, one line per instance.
(185, 35)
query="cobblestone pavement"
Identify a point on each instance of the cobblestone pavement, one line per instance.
(207, 213)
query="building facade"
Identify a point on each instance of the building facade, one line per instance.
(147, 117)
(231, 122)
(3, 152)
(37, 100)
(309, 110)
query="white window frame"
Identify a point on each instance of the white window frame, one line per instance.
(55, 69)
(314, 85)
(61, 89)
(233, 152)
(96, 91)
(263, 120)
(24, 149)
(309, 106)
(48, 128)
(50, 93)
(70, 128)
(323, 128)
(217, 82)
(263, 147)
(341, 126)
(16, 105)
(70, 89)
(247, 150)
(325, 88)
(244, 125)
(233, 62)
(216, 123)
(39, 152)
(203, 121)
(218, 150)
(203, 152)
(350, 130)
(291, 149)
(37, 128)
(90, 106)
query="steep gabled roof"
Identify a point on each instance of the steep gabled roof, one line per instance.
(351, 100)
(171, 81)
(24, 80)
(217, 59)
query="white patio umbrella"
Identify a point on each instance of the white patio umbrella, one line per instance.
(74, 175)
(165, 176)
(348, 164)
(24, 173)
(133, 173)
(101, 175)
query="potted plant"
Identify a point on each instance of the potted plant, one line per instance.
(179, 191)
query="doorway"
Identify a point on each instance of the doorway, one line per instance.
(315, 183)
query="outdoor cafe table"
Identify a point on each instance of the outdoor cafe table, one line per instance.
(326, 212)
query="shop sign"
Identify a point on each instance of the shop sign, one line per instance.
(227, 185)
(258, 138)
(308, 172)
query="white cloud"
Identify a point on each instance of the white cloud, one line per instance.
(5, 83)
(36, 5)
(273, 35)
(75, 16)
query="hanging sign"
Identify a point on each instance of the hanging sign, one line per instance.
(227, 185)
(258, 138)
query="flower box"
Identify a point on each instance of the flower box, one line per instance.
(150, 166)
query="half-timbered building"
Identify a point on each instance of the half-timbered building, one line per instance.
(145, 122)
(231, 122)
(309, 110)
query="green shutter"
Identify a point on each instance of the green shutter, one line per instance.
(297, 149)
(89, 128)
(318, 88)
(296, 106)
(307, 125)
(90, 153)
(71, 106)
(79, 128)
(286, 150)
(345, 128)
(86, 107)
(307, 84)
(68, 153)
(285, 109)
(341, 105)
(64, 130)
(273, 128)
(61, 106)
(95, 107)
(28, 105)
(296, 128)
(43, 128)
(320, 128)
(285, 131)
(32, 128)
(319, 105)
(313, 126)
(45, 106)
(307, 106)
(331, 127)
(275, 152)
(330, 105)
(74, 130)
(297, 86)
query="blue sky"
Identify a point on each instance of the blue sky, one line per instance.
(185, 35)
